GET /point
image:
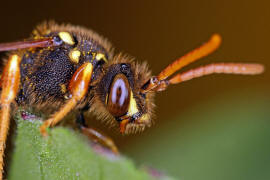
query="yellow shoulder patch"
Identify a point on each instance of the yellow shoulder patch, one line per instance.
(67, 38)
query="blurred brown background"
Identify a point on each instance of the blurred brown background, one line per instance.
(159, 32)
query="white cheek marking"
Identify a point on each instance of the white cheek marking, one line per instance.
(119, 83)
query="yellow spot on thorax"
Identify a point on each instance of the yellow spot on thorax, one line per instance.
(66, 37)
(74, 56)
(101, 56)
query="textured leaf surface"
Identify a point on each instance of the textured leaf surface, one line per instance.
(64, 155)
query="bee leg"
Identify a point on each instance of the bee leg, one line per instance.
(78, 88)
(95, 135)
(10, 84)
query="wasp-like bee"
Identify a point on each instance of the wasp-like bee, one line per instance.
(64, 68)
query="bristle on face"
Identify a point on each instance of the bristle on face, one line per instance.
(133, 128)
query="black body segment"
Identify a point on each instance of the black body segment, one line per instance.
(46, 72)
(44, 77)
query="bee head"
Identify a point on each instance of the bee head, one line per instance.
(120, 95)
(126, 89)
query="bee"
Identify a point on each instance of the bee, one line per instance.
(65, 68)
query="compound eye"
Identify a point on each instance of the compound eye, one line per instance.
(119, 96)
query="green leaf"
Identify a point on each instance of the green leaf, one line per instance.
(226, 138)
(64, 154)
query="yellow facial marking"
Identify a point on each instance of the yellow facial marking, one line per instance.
(74, 56)
(100, 56)
(132, 105)
(67, 38)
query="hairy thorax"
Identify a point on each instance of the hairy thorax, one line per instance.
(46, 72)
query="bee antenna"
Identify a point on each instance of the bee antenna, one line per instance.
(161, 82)
(210, 46)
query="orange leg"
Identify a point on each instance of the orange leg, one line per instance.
(10, 85)
(95, 135)
(78, 88)
(101, 138)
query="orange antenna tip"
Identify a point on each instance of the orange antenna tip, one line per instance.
(216, 39)
(253, 69)
(210, 46)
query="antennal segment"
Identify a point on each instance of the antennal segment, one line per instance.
(192, 56)
(207, 48)
(225, 68)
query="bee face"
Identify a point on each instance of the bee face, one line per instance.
(119, 91)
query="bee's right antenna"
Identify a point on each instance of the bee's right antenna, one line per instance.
(161, 82)
(225, 68)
